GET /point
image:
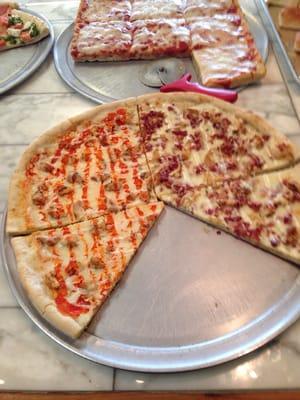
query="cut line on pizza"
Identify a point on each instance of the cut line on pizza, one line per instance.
(86, 193)
(214, 33)
(19, 28)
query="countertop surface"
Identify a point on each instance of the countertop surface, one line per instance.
(31, 361)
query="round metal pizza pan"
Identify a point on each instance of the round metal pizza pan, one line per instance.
(191, 298)
(109, 81)
(18, 64)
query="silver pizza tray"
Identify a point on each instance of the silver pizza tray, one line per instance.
(280, 51)
(19, 63)
(108, 81)
(192, 297)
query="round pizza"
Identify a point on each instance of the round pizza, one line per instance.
(86, 193)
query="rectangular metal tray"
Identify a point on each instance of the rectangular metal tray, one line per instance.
(282, 41)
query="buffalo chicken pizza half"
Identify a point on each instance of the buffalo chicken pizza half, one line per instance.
(214, 33)
(86, 193)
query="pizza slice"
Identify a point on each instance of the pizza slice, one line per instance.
(156, 9)
(192, 140)
(101, 41)
(18, 28)
(230, 65)
(69, 272)
(195, 8)
(264, 210)
(85, 167)
(222, 29)
(104, 10)
(156, 38)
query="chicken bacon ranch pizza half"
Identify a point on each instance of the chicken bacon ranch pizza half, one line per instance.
(86, 193)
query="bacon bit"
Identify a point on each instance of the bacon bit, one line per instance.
(171, 108)
(103, 139)
(274, 240)
(231, 165)
(194, 117)
(209, 211)
(293, 194)
(199, 169)
(172, 164)
(72, 268)
(197, 141)
(152, 121)
(74, 177)
(255, 206)
(64, 190)
(291, 236)
(287, 219)
(256, 162)
(182, 189)
(48, 240)
(96, 262)
(282, 150)
(179, 133)
(228, 147)
(242, 229)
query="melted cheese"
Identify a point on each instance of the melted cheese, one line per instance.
(153, 9)
(108, 10)
(155, 38)
(104, 38)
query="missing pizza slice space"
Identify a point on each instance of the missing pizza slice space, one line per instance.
(263, 210)
(69, 272)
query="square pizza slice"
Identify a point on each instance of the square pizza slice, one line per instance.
(229, 64)
(104, 10)
(160, 38)
(196, 8)
(213, 32)
(153, 9)
(101, 41)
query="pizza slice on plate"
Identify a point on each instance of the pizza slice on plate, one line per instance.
(18, 28)
(69, 272)
(192, 140)
(85, 167)
(264, 210)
